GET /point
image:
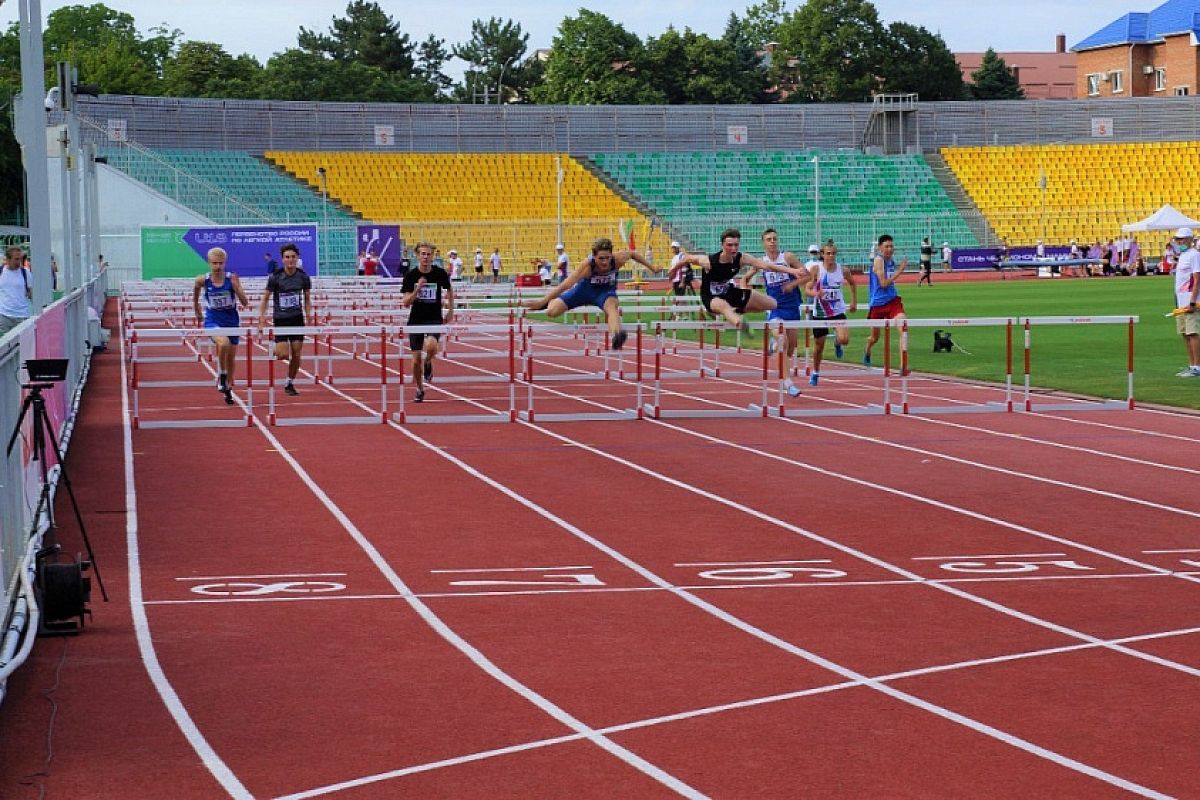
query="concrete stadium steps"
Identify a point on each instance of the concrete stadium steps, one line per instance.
(1091, 190)
(859, 197)
(485, 200)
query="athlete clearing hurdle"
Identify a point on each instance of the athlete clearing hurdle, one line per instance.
(718, 293)
(593, 283)
(426, 289)
(222, 293)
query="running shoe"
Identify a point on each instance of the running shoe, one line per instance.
(1186, 372)
(228, 396)
(814, 379)
(428, 369)
(221, 382)
(866, 359)
(618, 340)
(793, 390)
(744, 327)
(290, 390)
(837, 349)
(420, 398)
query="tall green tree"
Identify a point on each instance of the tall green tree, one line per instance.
(495, 54)
(12, 172)
(366, 36)
(752, 56)
(915, 60)
(297, 74)
(760, 24)
(994, 80)
(431, 57)
(666, 58)
(105, 46)
(595, 61)
(204, 69)
(829, 51)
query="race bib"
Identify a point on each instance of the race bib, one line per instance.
(427, 293)
(603, 280)
(832, 295)
(222, 301)
(776, 278)
(718, 287)
(290, 300)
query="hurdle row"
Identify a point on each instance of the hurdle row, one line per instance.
(518, 359)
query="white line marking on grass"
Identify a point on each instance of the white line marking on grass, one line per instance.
(141, 624)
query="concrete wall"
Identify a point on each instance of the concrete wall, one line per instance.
(125, 206)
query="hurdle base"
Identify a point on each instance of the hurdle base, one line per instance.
(581, 416)
(701, 413)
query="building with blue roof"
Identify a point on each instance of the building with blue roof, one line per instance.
(1142, 54)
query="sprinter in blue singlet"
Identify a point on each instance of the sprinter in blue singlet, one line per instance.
(222, 293)
(885, 302)
(593, 283)
(786, 290)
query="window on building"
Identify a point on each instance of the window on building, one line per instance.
(1093, 83)
(1160, 80)
(1118, 81)
(1181, 91)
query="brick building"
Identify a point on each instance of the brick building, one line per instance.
(1142, 54)
(1043, 75)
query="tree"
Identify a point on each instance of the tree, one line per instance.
(829, 51)
(717, 75)
(916, 60)
(595, 61)
(297, 74)
(495, 53)
(431, 56)
(107, 49)
(994, 80)
(366, 36)
(751, 55)
(761, 23)
(204, 69)
(666, 59)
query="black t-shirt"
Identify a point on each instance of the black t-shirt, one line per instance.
(427, 305)
(926, 254)
(289, 294)
(717, 279)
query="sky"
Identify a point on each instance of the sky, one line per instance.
(264, 27)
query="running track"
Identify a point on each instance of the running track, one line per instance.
(976, 605)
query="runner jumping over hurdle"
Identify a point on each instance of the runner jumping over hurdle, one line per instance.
(593, 283)
(222, 294)
(719, 295)
(786, 291)
(423, 289)
(830, 304)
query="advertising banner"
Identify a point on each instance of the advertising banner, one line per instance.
(384, 243)
(182, 252)
(988, 257)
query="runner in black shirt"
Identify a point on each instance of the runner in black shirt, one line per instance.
(423, 293)
(718, 292)
(291, 289)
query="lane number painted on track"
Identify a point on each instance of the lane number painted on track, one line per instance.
(253, 589)
(754, 571)
(574, 576)
(1011, 563)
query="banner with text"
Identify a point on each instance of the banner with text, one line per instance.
(384, 243)
(989, 257)
(182, 252)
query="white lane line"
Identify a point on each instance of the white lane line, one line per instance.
(507, 569)
(456, 640)
(786, 646)
(256, 577)
(1001, 555)
(141, 624)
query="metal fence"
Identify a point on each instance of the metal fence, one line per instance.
(257, 125)
(61, 330)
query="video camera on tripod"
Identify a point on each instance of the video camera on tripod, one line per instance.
(63, 590)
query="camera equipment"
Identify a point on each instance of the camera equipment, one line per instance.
(942, 343)
(63, 589)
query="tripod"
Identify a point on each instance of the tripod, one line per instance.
(41, 429)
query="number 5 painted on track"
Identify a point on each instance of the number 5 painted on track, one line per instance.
(780, 573)
(1010, 566)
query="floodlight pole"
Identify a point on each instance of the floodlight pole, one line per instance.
(558, 185)
(31, 133)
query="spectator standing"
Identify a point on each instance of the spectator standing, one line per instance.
(563, 263)
(272, 264)
(946, 254)
(16, 291)
(926, 262)
(496, 264)
(456, 265)
(479, 265)
(1187, 287)
(1168, 259)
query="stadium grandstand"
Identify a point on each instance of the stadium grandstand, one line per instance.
(471, 176)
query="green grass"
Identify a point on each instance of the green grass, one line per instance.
(1088, 359)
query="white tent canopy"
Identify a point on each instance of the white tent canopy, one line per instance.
(1167, 218)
